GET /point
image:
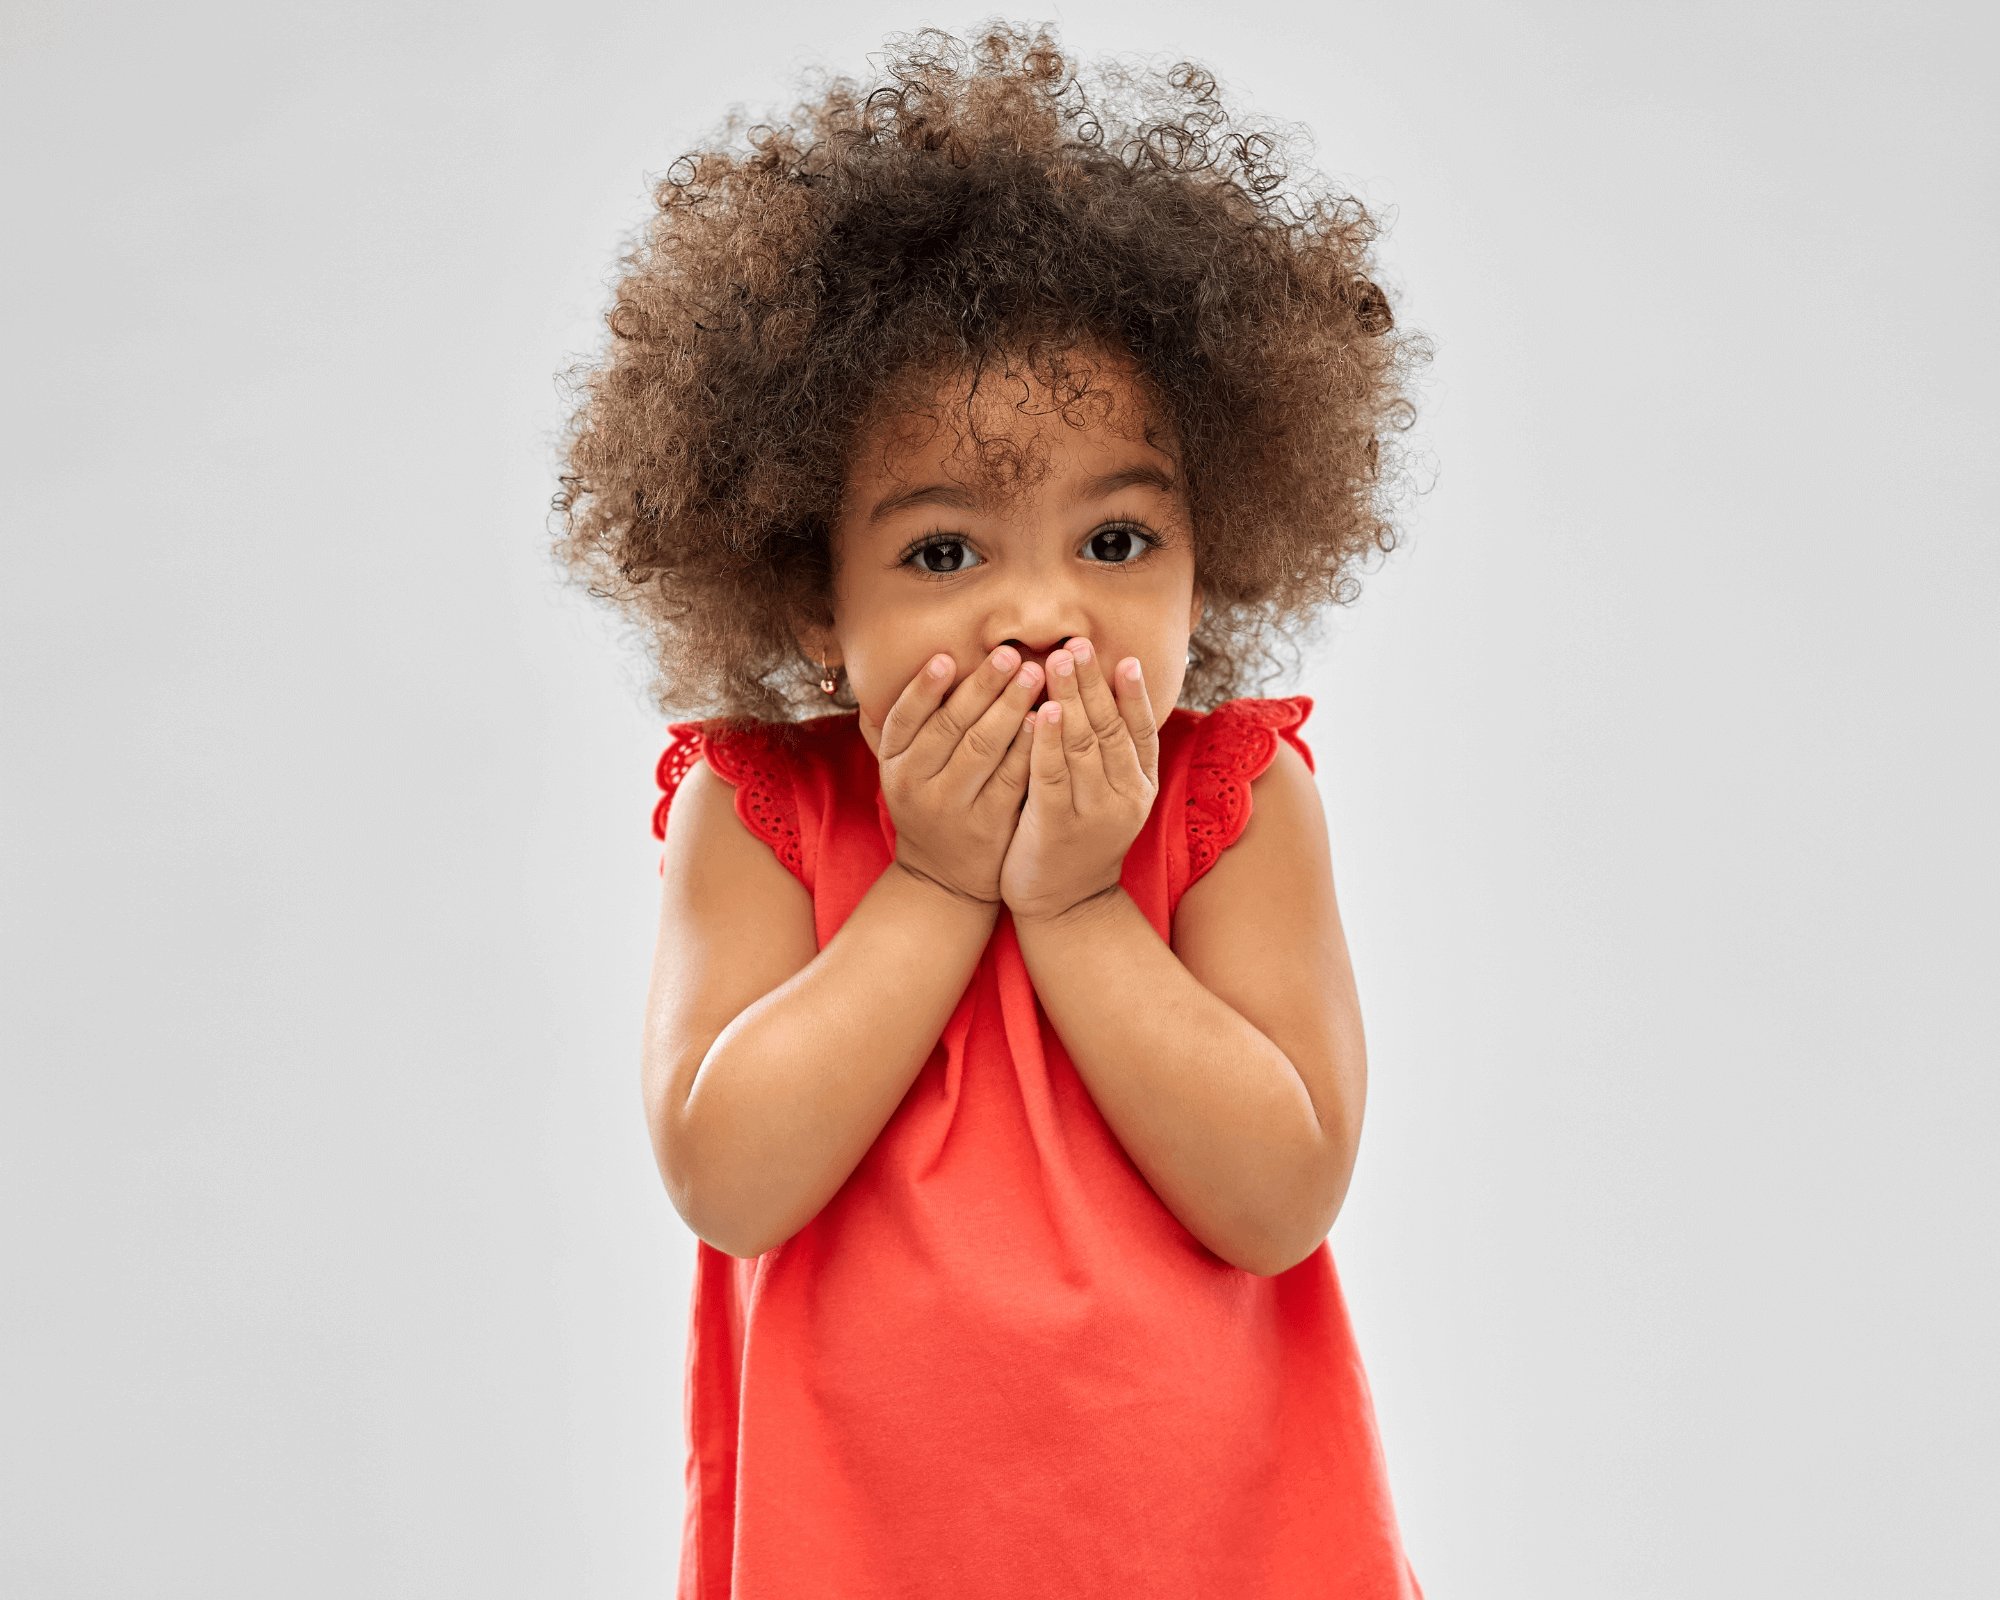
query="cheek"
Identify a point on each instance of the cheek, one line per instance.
(880, 675)
(876, 688)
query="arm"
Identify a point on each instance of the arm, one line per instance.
(770, 1067)
(1232, 1066)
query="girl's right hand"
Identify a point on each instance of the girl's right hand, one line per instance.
(955, 771)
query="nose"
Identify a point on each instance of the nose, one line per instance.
(1039, 654)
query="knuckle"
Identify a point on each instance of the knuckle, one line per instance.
(980, 741)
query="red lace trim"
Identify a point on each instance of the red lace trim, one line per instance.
(1234, 743)
(746, 757)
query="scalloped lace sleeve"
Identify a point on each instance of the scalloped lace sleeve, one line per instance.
(754, 764)
(1234, 744)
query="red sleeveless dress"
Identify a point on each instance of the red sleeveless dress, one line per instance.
(995, 1364)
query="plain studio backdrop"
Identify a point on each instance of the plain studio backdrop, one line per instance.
(1658, 762)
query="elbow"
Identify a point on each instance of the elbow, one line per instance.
(716, 1211)
(677, 1146)
(1276, 1244)
(1281, 1250)
(667, 1132)
(719, 1217)
(728, 1243)
(1302, 1216)
(711, 1212)
(740, 1230)
(1269, 1262)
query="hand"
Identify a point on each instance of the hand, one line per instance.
(954, 774)
(1091, 781)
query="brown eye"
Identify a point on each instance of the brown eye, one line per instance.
(945, 555)
(1111, 542)
(949, 563)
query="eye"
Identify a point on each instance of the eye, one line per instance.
(1118, 536)
(1116, 544)
(930, 544)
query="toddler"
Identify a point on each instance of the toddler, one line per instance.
(1002, 1048)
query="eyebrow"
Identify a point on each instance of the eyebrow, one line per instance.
(1097, 488)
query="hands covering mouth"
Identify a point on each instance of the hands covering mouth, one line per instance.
(1043, 826)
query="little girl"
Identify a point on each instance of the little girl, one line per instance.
(1002, 1048)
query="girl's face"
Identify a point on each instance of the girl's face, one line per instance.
(1093, 540)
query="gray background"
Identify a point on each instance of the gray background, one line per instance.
(1659, 765)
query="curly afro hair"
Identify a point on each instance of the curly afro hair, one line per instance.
(798, 280)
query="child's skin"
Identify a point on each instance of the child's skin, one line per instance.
(773, 1065)
(1050, 579)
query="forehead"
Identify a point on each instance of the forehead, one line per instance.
(1008, 431)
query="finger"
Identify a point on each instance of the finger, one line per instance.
(991, 738)
(936, 744)
(1010, 778)
(1118, 759)
(1136, 706)
(1079, 738)
(1048, 767)
(918, 700)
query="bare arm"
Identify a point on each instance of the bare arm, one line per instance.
(771, 1066)
(1207, 1106)
(1232, 1065)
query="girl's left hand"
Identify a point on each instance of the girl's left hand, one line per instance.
(1091, 781)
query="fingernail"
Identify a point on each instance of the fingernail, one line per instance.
(1132, 672)
(1062, 663)
(940, 665)
(1005, 659)
(1081, 649)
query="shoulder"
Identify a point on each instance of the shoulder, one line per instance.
(757, 765)
(735, 920)
(1245, 731)
(734, 923)
(722, 835)
(1284, 788)
(1228, 758)
(1262, 928)
(1286, 827)
(737, 749)
(1254, 817)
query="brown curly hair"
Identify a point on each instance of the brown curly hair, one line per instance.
(800, 279)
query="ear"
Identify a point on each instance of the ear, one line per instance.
(1194, 611)
(818, 643)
